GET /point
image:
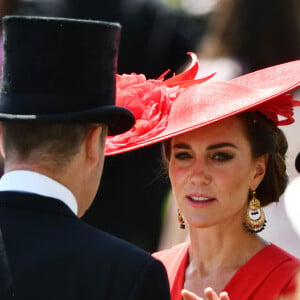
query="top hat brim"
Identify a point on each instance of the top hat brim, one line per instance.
(203, 104)
(117, 118)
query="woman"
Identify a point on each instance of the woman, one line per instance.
(225, 157)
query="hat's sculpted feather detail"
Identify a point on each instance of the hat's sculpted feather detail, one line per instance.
(150, 102)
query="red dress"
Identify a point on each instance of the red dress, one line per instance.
(268, 274)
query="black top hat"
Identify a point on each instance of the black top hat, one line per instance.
(61, 70)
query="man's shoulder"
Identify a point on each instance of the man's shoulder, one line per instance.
(111, 244)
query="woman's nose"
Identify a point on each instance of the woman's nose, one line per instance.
(200, 174)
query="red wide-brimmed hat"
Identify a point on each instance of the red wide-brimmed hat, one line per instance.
(166, 108)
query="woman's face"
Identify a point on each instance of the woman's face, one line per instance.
(211, 171)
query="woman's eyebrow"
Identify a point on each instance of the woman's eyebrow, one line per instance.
(210, 147)
(221, 145)
(182, 146)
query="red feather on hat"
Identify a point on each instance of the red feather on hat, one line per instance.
(150, 102)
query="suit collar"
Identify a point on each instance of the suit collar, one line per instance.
(34, 202)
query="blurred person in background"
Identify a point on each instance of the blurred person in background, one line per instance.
(7, 7)
(249, 35)
(291, 196)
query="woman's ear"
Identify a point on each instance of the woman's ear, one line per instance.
(260, 170)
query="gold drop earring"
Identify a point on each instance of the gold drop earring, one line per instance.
(255, 220)
(180, 219)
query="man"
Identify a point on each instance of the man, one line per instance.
(57, 104)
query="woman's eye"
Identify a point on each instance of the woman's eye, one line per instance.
(182, 155)
(222, 157)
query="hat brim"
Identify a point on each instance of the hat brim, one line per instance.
(118, 119)
(209, 102)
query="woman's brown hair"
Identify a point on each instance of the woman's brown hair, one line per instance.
(266, 138)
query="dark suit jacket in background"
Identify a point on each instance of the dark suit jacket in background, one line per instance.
(54, 255)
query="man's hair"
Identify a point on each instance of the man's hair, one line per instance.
(53, 144)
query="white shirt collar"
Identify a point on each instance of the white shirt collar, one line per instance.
(33, 182)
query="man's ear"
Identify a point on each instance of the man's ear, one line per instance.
(1, 143)
(260, 170)
(92, 143)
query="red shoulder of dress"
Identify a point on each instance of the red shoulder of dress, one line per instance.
(177, 251)
(288, 268)
(268, 274)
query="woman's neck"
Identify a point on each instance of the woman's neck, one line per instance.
(215, 255)
(215, 247)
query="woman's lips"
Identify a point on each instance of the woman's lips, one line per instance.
(200, 201)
